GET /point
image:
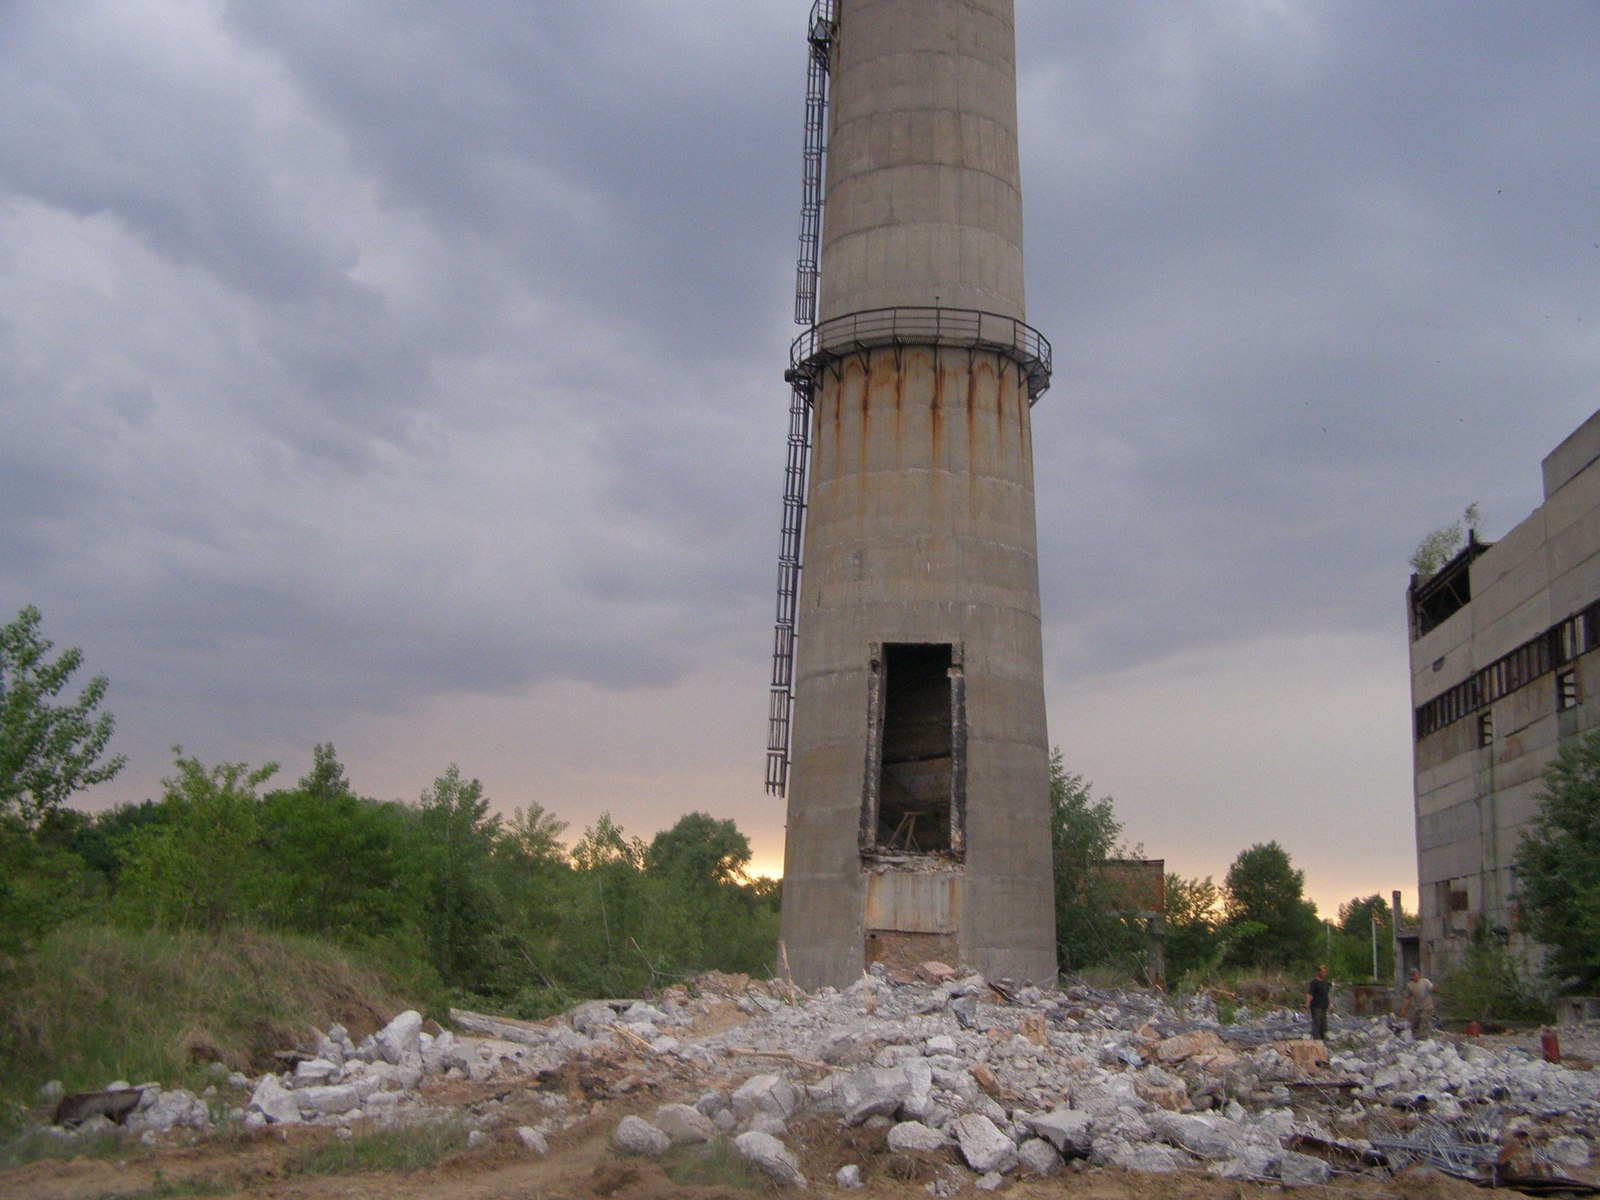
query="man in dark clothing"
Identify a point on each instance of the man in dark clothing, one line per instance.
(1318, 992)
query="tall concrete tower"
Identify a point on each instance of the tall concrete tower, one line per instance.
(918, 768)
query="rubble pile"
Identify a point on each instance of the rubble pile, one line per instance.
(983, 1079)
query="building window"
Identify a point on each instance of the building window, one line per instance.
(916, 769)
(1566, 689)
(1486, 727)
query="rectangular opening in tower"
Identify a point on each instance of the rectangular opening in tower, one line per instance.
(917, 748)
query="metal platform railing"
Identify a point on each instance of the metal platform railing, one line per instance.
(930, 326)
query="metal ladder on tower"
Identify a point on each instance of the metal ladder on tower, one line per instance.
(824, 25)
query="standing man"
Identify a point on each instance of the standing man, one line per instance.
(1318, 993)
(1418, 1003)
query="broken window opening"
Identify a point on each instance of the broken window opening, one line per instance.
(916, 759)
(1566, 689)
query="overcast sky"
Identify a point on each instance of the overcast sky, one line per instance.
(409, 376)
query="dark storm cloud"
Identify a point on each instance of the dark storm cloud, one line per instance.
(1292, 258)
(377, 358)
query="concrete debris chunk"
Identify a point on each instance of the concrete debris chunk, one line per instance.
(1039, 1157)
(315, 1070)
(589, 1019)
(1302, 1170)
(983, 1145)
(768, 1093)
(327, 1101)
(400, 1037)
(533, 1140)
(914, 1135)
(635, 1135)
(681, 1123)
(1068, 1130)
(767, 1153)
(274, 1102)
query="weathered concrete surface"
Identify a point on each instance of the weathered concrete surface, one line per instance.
(920, 511)
(921, 529)
(923, 189)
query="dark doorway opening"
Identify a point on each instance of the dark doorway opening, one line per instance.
(915, 786)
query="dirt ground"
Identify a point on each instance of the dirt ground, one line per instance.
(582, 1164)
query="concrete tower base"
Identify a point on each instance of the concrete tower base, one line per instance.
(918, 821)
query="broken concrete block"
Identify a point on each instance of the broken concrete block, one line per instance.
(178, 1109)
(765, 1093)
(767, 1153)
(1150, 1157)
(1248, 1162)
(1308, 1056)
(1187, 1045)
(1039, 1157)
(328, 1100)
(684, 1124)
(983, 1145)
(1568, 1151)
(314, 1070)
(399, 1037)
(533, 1140)
(1301, 1169)
(1155, 1086)
(1207, 1137)
(635, 1135)
(1033, 1028)
(1068, 1130)
(765, 1122)
(914, 1135)
(589, 1019)
(274, 1102)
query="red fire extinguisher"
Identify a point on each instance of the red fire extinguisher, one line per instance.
(1550, 1045)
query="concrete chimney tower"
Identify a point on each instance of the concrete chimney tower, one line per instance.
(918, 768)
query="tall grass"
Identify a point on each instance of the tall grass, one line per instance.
(93, 1003)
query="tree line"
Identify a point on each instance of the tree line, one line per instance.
(449, 895)
(1257, 918)
(453, 896)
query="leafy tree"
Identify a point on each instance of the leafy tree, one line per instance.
(1440, 546)
(1194, 912)
(462, 912)
(339, 863)
(202, 866)
(1350, 955)
(1084, 834)
(1558, 865)
(700, 851)
(1270, 923)
(48, 751)
(532, 874)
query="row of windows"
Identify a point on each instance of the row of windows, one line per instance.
(1549, 651)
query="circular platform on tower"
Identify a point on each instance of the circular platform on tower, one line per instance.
(961, 328)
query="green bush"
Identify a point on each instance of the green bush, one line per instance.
(1488, 986)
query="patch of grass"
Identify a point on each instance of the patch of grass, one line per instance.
(163, 1188)
(36, 1144)
(713, 1164)
(92, 1003)
(408, 1149)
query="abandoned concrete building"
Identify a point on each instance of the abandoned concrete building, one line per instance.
(1505, 667)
